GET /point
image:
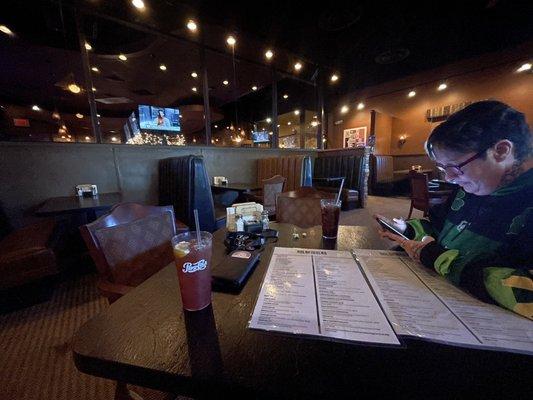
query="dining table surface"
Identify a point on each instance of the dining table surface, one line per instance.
(146, 338)
(79, 204)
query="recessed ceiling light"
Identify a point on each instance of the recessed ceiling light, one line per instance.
(269, 54)
(36, 108)
(412, 93)
(6, 30)
(194, 74)
(138, 4)
(289, 123)
(78, 115)
(344, 109)
(163, 67)
(314, 123)
(254, 88)
(194, 89)
(225, 82)
(269, 120)
(524, 67)
(98, 115)
(94, 89)
(298, 66)
(87, 138)
(216, 126)
(95, 69)
(334, 78)
(360, 106)
(88, 46)
(231, 40)
(74, 88)
(442, 86)
(296, 112)
(191, 25)
(285, 96)
(122, 57)
(113, 139)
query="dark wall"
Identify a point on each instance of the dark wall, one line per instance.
(30, 173)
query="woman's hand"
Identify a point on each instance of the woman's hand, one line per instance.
(412, 247)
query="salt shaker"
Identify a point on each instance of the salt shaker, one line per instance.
(239, 223)
(264, 219)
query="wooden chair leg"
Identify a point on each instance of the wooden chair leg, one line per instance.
(410, 211)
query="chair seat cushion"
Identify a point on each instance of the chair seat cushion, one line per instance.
(29, 239)
(137, 250)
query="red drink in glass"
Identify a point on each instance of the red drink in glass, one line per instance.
(193, 263)
(330, 218)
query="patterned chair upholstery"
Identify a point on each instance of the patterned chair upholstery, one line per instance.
(301, 207)
(130, 244)
(297, 170)
(268, 197)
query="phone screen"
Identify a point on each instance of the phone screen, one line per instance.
(387, 224)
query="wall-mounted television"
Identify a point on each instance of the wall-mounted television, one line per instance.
(159, 118)
(260, 137)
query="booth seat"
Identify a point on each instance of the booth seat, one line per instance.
(27, 256)
(297, 170)
(381, 175)
(352, 164)
(184, 184)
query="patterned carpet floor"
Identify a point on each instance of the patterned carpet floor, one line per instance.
(35, 358)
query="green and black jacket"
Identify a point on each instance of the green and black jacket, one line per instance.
(485, 243)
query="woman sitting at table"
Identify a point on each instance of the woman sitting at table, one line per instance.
(483, 239)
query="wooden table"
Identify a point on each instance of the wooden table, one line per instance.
(79, 205)
(240, 190)
(145, 338)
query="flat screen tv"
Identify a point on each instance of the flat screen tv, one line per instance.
(159, 118)
(260, 137)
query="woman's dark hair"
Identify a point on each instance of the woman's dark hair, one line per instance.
(479, 126)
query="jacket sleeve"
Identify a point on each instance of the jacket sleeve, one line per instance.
(418, 228)
(506, 280)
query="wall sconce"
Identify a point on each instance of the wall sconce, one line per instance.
(402, 140)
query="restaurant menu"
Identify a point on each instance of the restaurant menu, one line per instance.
(320, 293)
(397, 292)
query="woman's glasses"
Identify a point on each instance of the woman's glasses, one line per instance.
(450, 169)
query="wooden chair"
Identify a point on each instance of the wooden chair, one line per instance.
(122, 214)
(267, 197)
(421, 197)
(128, 245)
(301, 207)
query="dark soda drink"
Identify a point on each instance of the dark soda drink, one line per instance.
(330, 218)
(193, 263)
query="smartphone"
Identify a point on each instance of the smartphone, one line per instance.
(387, 225)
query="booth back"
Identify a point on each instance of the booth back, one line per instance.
(183, 183)
(296, 169)
(352, 164)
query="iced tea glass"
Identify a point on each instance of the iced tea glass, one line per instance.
(193, 263)
(330, 217)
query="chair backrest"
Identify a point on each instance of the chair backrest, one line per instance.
(271, 188)
(301, 207)
(183, 183)
(122, 214)
(419, 190)
(297, 170)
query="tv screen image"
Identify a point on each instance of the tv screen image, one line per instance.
(260, 137)
(159, 118)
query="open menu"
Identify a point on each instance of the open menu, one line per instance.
(376, 297)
